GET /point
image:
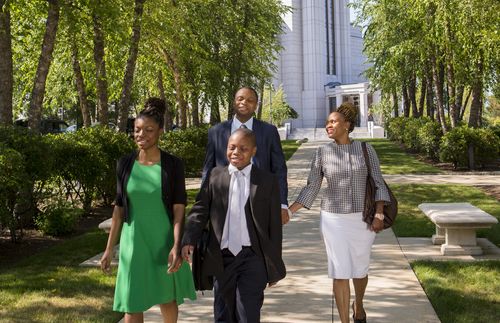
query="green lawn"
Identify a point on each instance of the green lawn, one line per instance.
(393, 160)
(458, 291)
(51, 287)
(462, 291)
(289, 148)
(411, 222)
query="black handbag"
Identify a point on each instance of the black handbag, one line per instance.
(201, 281)
(390, 210)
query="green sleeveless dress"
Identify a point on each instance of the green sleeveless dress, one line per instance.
(145, 243)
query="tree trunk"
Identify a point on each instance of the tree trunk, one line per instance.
(195, 113)
(261, 102)
(168, 113)
(477, 97)
(477, 102)
(430, 91)
(395, 103)
(100, 67)
(465, 104)
(80, 84)
(438, 75)
(459, 100)
(179, 92)
(6, 72)
(128, 79)
(236, 67)
(214, 111)
(452, 96)
(38, 93)
(412, 95)
(423, 91)
(406, 101)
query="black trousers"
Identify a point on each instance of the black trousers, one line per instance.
(239, 294)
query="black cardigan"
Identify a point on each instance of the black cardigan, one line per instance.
(173, 183)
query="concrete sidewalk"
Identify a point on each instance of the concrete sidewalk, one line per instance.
(305, 295)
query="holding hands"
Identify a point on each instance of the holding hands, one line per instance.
(174, 260)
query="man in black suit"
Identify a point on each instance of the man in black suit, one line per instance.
(269, 156)
(240, 202)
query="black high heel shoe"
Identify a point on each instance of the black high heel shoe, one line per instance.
(363, 320)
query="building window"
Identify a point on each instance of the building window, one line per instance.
(331, 68)
(333, 62)
(327, 37)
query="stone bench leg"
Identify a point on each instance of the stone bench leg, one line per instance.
(460, 242)
(440, 237)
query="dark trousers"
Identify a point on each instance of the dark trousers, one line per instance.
(239, 294)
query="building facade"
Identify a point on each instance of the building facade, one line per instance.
(321, 63)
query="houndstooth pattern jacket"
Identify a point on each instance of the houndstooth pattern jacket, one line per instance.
(345, 171)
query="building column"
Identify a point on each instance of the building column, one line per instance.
(290, 61)
(314, 62)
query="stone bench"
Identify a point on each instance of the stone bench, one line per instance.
(105, 225)
(456, 225)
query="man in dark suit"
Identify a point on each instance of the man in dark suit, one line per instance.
(240, 202)
(269, 156)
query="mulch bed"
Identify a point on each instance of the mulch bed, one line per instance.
(33, 241)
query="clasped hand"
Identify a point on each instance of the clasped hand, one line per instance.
(377, 225)
(174, 261)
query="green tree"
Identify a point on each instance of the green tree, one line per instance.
(445, 51)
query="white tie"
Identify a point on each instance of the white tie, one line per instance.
(236, 212)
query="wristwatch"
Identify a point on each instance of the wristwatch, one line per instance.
(380, 216)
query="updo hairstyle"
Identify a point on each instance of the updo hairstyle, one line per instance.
(154, 108)
(350, 113)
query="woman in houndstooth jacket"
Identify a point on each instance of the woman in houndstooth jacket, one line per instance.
(348, 240)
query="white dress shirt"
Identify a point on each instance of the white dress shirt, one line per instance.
(236, 124)
(245, 237)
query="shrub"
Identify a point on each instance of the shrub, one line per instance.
(486, 146)
(58, 219)
(396, 128)
(189, 145)
(87, 162)
(38, 168)
(12, 176)
(410, 134)
(109, 146)
(454, 146)
(429, 136)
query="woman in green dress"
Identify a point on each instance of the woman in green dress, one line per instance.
(149, 217)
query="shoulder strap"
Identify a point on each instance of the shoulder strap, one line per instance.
(365, 153)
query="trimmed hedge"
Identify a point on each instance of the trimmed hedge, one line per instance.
(38, 172)
(425, 135)
(455, 145)
(190, 145)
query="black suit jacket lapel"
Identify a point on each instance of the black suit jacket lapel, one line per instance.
(223, 182)
(254, 183)
(226, 132)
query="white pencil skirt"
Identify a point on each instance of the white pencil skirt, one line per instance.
(348, 241)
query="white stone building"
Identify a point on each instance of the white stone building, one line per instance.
(321, 62)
